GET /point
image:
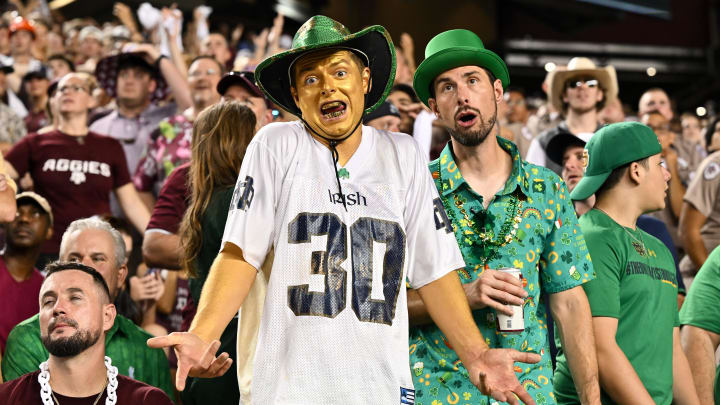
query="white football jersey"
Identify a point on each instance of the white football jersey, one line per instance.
(334, 328)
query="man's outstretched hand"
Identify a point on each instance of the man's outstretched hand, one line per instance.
(492, 373)
(195, 357)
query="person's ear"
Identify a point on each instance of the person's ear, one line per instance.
(498, 89)
(49, 232)
(434, 107)
(367, 83)
(109, 314)
(122, 275)
(636, 173)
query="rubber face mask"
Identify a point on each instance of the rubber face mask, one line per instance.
(330, 91)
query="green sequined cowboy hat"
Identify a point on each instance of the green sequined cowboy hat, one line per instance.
(373, 45)
(451, 49)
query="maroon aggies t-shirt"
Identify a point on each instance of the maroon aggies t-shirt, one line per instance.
(75, 174)
(26, 391)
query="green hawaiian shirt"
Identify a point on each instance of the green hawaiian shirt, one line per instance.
(125, 344)
(549, 249)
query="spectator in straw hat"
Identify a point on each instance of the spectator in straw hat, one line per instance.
(579, 92)
(139, 80)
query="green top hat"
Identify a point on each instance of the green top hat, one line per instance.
(611, 147)
(451, 49)
(319, 32)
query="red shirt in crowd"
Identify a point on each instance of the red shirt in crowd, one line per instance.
(26, 391)
(18, 300)
(36, 120)
(75, 174)
(172, 201)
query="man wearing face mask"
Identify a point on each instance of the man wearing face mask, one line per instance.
(351, 214)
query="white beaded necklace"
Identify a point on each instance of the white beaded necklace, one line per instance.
(46, 391)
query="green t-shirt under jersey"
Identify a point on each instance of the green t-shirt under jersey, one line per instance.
(702, 303)
(641, 292)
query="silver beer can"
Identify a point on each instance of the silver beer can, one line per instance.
(516, 322)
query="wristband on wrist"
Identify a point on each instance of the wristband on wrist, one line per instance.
(160, 58)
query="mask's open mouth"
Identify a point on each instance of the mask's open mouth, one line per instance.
(333, 109)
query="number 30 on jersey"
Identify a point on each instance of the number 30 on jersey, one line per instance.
(363, 233)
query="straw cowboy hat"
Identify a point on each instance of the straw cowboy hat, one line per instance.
(578, 67)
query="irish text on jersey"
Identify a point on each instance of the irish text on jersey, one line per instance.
(350, 199)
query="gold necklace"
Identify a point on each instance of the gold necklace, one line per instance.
(96, 399)
(639, 245)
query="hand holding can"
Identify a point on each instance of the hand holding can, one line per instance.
(514, 323)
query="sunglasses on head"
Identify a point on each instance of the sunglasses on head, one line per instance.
(591, 83)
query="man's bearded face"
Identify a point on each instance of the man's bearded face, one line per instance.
(465, 102)
(329, 89)
(72, 313)
(68, 346)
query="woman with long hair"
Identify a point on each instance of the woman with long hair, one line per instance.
(221, 135)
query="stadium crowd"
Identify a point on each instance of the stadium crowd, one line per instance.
(122, 143)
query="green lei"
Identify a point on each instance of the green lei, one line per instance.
(486, 249)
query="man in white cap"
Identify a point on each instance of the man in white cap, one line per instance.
(579, 92)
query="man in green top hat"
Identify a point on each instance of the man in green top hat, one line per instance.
(351, 213)
(634, 297)
(506, 213)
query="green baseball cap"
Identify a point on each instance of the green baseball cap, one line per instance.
(611, 147)
(372, 44)
(451, 49)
